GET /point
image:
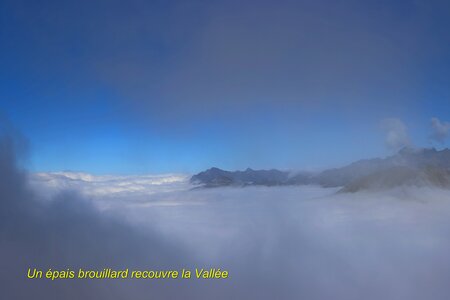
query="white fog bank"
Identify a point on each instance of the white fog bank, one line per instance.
(295, 242)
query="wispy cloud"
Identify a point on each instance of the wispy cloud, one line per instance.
(396, 133)
(109, 185)
(440, 130)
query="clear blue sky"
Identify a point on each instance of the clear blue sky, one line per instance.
(179, 86)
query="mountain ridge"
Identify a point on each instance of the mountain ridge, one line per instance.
(410, 166)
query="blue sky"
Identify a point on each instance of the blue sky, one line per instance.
(175, 86)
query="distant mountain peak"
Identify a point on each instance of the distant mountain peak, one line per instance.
(410, 166)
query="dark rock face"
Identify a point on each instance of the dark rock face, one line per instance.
(408, 167)
(216, 177)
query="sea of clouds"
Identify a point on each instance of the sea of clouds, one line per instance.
(298, 242)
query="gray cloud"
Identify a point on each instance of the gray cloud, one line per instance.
(440, 129)
(202, 59)
(69, 232)
(396, 133)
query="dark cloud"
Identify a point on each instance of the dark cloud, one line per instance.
(68, 232)
(284, 55)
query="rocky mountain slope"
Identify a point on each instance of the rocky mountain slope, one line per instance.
(409, 166)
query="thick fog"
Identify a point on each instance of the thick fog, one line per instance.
(276, 242)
